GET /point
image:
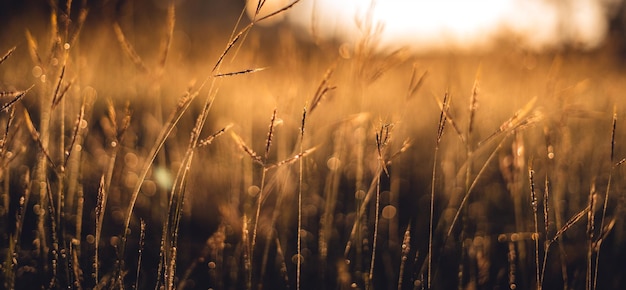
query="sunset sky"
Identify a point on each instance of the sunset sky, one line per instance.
(460, 25)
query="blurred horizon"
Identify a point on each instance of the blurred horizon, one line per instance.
(538, 25)
(449, 25)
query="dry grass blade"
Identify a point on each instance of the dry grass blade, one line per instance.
(167, 40)
(416, 83)
(573, 220)
(514, 121)
(35, 135)
(204, 114)
(406, 249)
(534, 204)
(82, 16)
(270, 135)
(142, 238)
(590, 232)
(13, 97)
(614, 127)
(5, 136)
(174, 216)
(230, 45)
(128, 48)
(382, 139)
(255, 157)
(393, 59)
(7, 54)
(471, 188)
(53, 235)
(259, 5)
(281, 260)
(376, 230)
(302, 123)
(473, 103)
(63, 92)
(444, 107)
(77, 127)
(323, 89)
(32, 48)
(607, 193)
(241, 72)
(361, 211)
(300, 183)
(405, 146)
(55, 97)
(291, 159)
(546, 205)
(99, 212)
(173, 119)
(54, 34)
(112, 115)
(208, 140)
(278, 11)
(604, 232)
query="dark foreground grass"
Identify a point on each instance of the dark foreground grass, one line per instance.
(150, 155)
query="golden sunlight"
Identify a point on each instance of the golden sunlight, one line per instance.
(338, 144)
(456, 25)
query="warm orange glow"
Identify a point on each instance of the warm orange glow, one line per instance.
(458, 25)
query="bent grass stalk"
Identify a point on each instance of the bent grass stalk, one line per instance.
(606, 196)
(382, 139)
(300, 180)
(535, 236)
(431, 220)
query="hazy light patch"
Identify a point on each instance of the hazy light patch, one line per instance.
(456, 25)
(267, 8)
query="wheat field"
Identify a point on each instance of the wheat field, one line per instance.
(143, 148)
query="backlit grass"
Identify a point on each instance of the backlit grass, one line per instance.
(149, 152)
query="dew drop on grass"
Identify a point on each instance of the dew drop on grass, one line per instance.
(148, 188)
(344, 50)
(131, 179)
(360, 194)
(253, 190)
(91, 239)
(163, 177)
(535, 236)
(66, 46)
(114, 241)
(333, 163)
(37, 209)
(37, 71)
(389, 212)
(131, 160)
(83, 124)
(294, 259)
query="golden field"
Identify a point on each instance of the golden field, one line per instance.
(146, 146)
